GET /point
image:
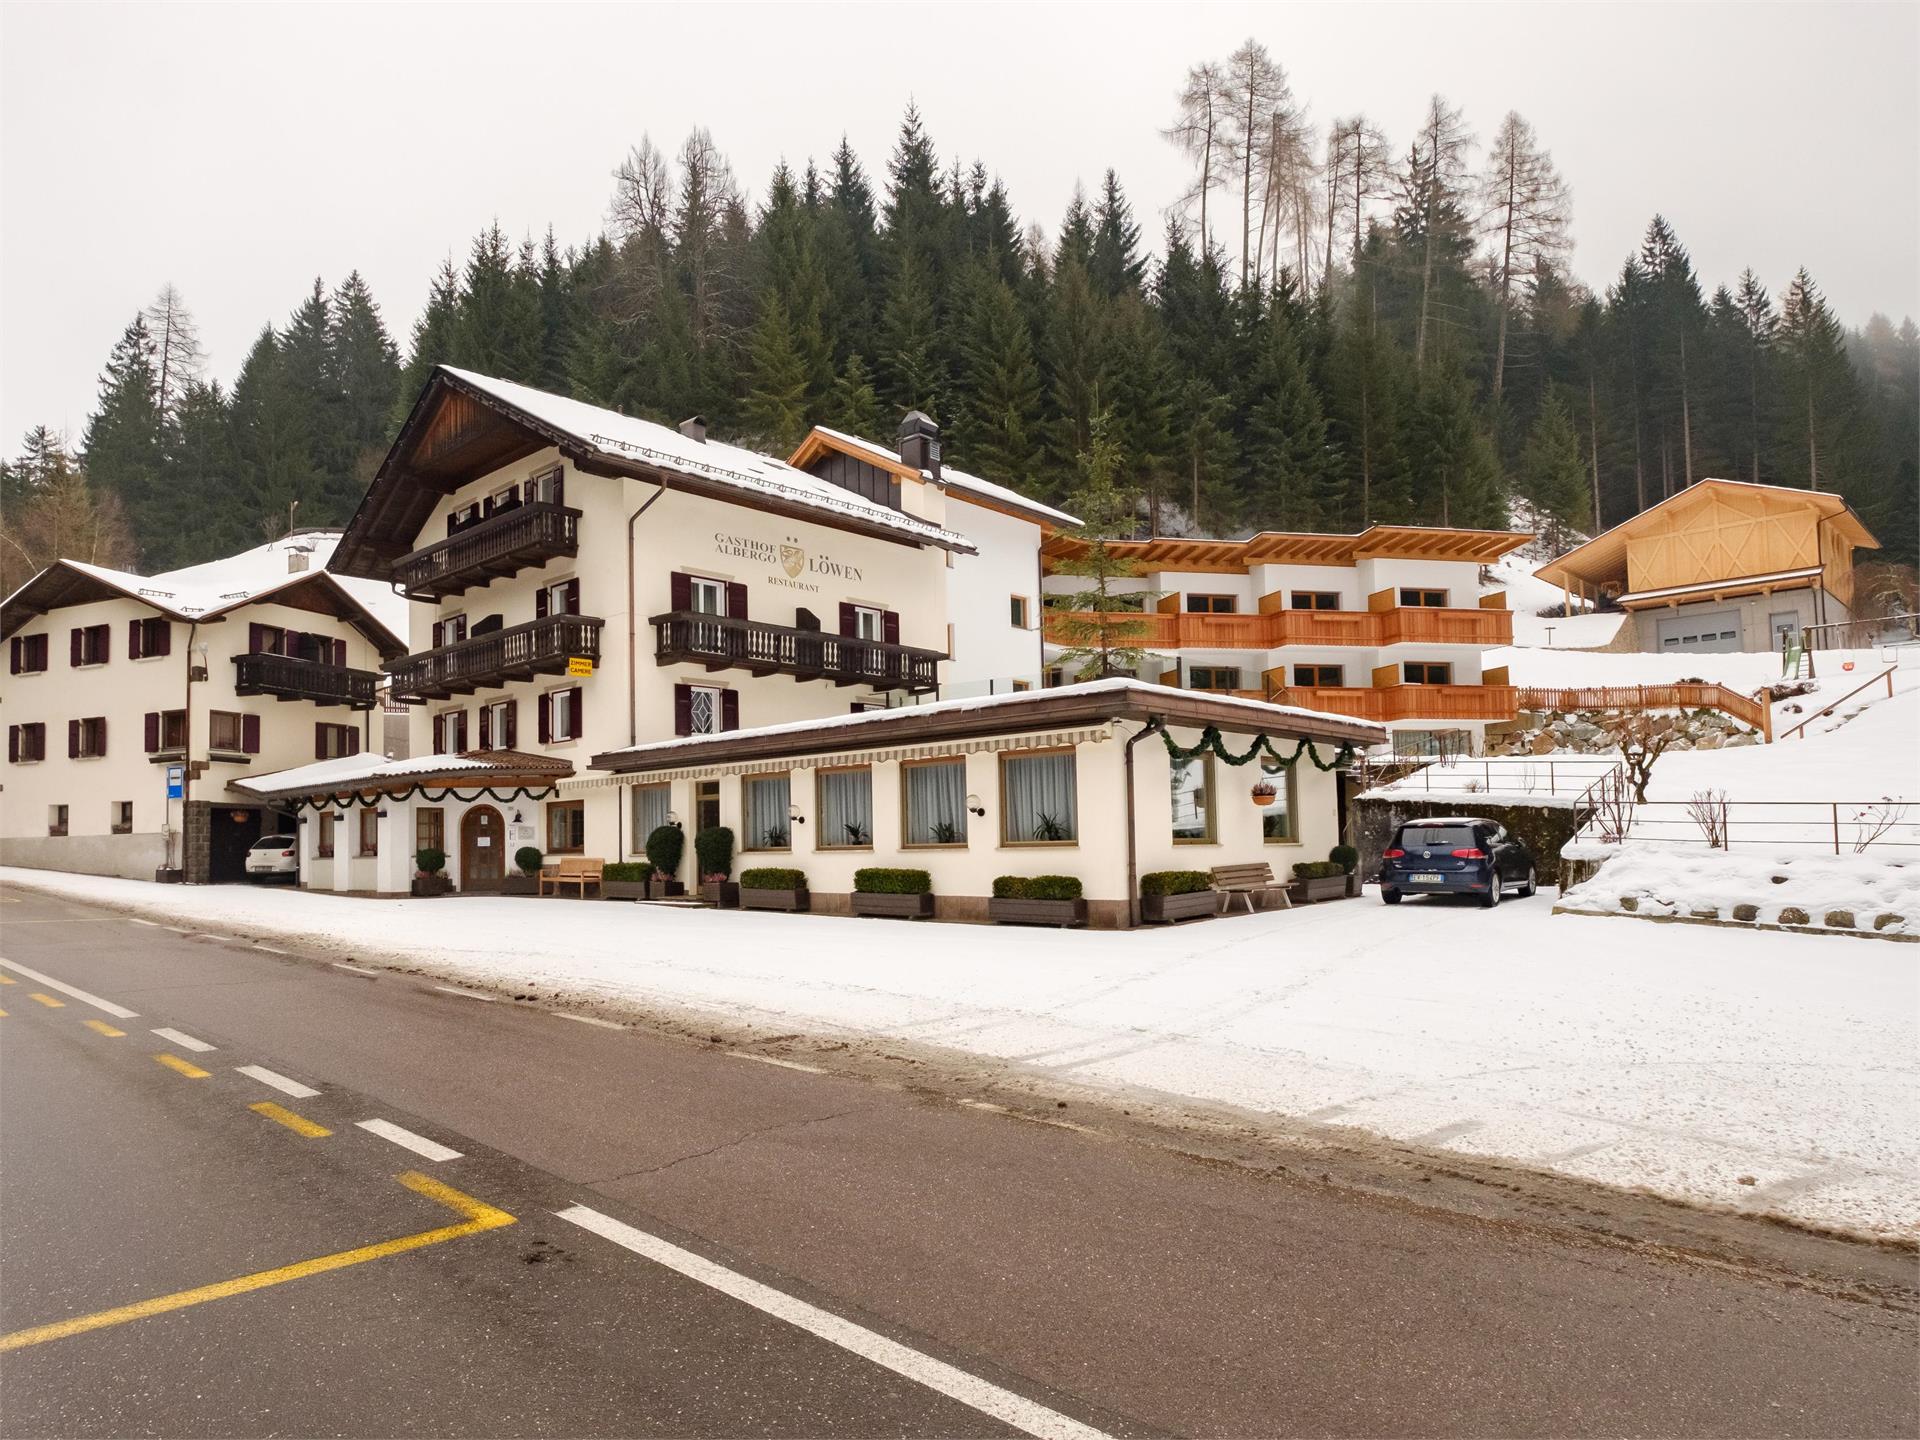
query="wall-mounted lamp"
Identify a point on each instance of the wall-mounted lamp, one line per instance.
(380, 814)
(793, 814)
(974, 807)
(673, 818)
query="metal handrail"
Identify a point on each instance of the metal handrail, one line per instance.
(1821, 714)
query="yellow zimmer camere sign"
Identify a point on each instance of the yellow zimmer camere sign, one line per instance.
(579, 665)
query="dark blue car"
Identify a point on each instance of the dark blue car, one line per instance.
(1455, 855)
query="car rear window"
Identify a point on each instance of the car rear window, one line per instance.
(273, 842)
(1437, 837)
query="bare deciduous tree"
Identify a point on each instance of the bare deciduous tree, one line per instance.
(1196, 130)
(1256, 88)
(1525, 211)
(1642, 741)
(1708, 810)
(1436, 175)
(177, 358)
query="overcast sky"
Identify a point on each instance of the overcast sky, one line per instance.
(241, 151)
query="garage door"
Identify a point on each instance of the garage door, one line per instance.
(1716, 631)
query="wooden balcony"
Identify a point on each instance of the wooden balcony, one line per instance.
(287, 677)
(1160, 630)
(721, 643)
(481, 662)
(1385, 703)
(489, 549)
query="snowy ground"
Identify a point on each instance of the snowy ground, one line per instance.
(1675, 1058)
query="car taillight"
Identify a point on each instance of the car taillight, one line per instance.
(1394, 854)
(1469, 854)
(286, 854)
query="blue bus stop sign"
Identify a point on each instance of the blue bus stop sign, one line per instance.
(176, 781)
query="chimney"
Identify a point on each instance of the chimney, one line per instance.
(920, 442)
(298, 558)
(694, 427)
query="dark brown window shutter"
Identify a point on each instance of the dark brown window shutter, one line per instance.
(683, 709)
(486, 727)
(353, 740)
(511, 739)
(679, 591)
(846, 618)
(133, 639)
(73, 739)
(102, 642)
(101, 748)
(546, 718)
(461, 726)
(250, 734)
(737, 601)
(579, 714)
(573, 597)
(18, 646)
(165, 632)
(540, 603)
(439, 634)
(13, 743)
(153, 731)
(729, 709)
(559, 486)
(77, 643)
(319, 742)
(890, 626)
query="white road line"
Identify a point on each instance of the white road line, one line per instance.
(342, 965)
(419, 1144)
(278, 1082)
(463, 994)
(119, 1012)
(268, 948)
(587, 1020)
(956, 1384)
(183, 1040)
(783, 1064)
(150, 924)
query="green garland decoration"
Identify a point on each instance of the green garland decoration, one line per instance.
(1210, 743)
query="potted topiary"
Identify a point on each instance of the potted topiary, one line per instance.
(713, 856)
(427, 877)
(1348, 859)
(625, 880)
(1170, 895)
(1315, 880)
(664, 849)
(527, 882)
(774, 888)
(1037, 900)
(900, 894)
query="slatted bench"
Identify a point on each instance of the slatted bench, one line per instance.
(1246, 881)
(578, 873)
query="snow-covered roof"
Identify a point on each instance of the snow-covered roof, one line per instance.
(953, 480)
(1710, 587)
(625, 437)
(350, 772)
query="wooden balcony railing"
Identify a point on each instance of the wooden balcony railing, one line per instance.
(287, 677)
(1160, 630)
(720, 642)
(1406, 702)
(540, 647)
(489, 549)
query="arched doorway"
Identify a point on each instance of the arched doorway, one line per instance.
(483, 838)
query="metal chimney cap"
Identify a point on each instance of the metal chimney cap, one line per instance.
(694, 427)
(917, 422)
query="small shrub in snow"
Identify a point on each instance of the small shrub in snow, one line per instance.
(1888, 920)
(1839, 919)
(1793, 915)
(1746, 912)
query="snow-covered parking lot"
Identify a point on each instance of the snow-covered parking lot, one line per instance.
(1677, 1058)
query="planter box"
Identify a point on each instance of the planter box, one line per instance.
(774, 899)
(429, 885)
(624, 890)
(520, 885)
(660, 888)
(169, 875)
(725, 894)
(1037, 912)
(1165, 909)
(897, 907)
(1332, 887)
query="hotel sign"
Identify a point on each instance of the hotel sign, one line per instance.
(797, 570)
(579, 665)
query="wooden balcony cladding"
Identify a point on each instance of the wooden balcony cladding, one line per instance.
(1272, 629)
(287, 677)
(480, 662)
(720, 642)
(1406, 702)
(489, 549)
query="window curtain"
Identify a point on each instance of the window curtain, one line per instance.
(937, 804)
(649, 813)
(768, 798)
(846, 808)
(1041, 798)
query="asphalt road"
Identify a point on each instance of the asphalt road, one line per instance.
(617, 1232)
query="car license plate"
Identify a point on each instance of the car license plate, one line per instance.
(1425, 879)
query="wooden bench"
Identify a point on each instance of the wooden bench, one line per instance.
(580, 873)
(1246, 881)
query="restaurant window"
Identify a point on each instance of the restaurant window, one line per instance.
(1191, 785)
(768, 799)
(122, 813)
(1428, 599)
(430, 829)
(1322, 676)
(706, 805)
(844, 806)
(1039, 798)
(323, 839)
(1428, 672)
(1212, 604)
(1018, 607)
(56, 819)
(1277, 819)
(1314, 600)
(934, 793)
(566, 827)
(369, 825)
(650, 806)
(1213, 677)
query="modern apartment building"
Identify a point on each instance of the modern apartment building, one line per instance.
(1388, 625)
(131, 702)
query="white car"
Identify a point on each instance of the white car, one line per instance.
(274, 856)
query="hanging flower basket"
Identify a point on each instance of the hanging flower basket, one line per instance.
(1264, 793)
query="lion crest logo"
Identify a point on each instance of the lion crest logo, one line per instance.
(793, 560)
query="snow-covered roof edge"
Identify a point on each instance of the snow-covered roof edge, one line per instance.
(953, 479)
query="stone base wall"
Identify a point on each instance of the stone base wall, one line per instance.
(197, 841)
(1543, 829)
(130, 857)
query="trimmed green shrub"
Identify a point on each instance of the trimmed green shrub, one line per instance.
(773, 877)
(1175, 882)
(528, 858)
(639, 872)
(664, 849)
(1317, 870)
(1346, 857)
(430, 861)
(713, 852)
(1036, 887)
(879, 880)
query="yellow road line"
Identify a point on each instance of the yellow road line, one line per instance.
(47, 1000)
(185, 1067)
(480, 1216)
(3, 1014)
(105, 1029)
(8, 980)
(299, 1124)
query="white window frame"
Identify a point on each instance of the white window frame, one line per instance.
(560, 706)
(497, 723)
(870, 617)
(715, 711)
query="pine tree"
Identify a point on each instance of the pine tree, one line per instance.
(1818, 386)
(363, 370)
(1284, 456)
(1553, 474)
(122, 445)
(853, 408)
(272, 443)
(1367, 401)
(909, 340)
(997, 429)
(201, 518)
(436, 339)
(1102, 636)
(776, 406)
(1075, 350)
(1456, 477)
(1114, 262)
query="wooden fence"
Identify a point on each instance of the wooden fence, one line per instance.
(1745, 708)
